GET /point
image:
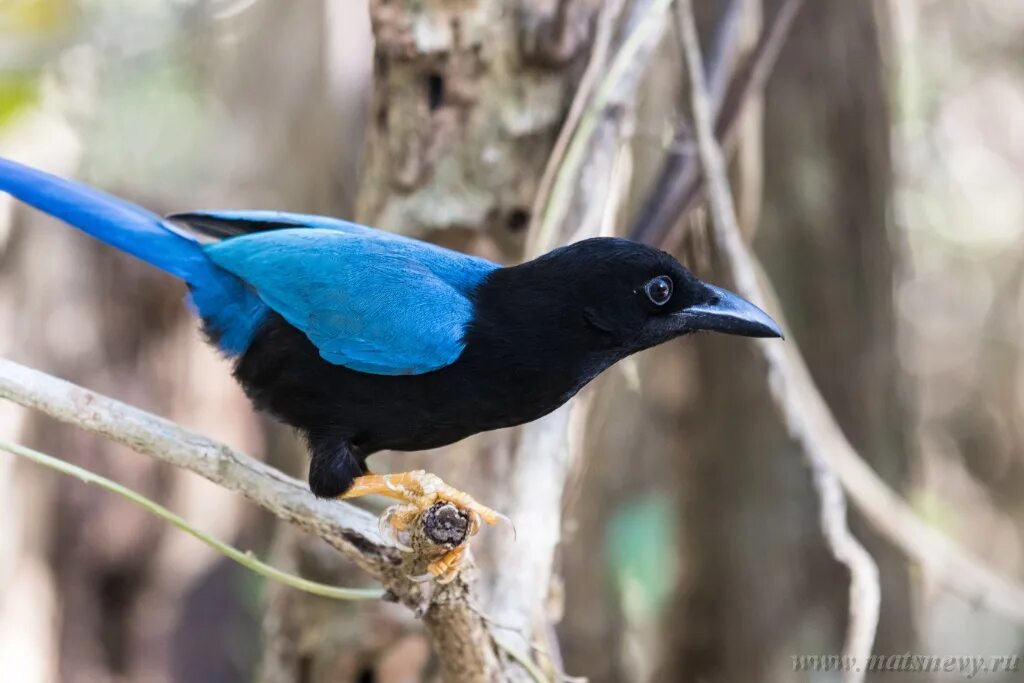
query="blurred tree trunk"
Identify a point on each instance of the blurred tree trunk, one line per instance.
(759, 584)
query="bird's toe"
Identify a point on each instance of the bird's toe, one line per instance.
(420, 491)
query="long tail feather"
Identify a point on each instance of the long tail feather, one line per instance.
(120, 224)
(230, 311)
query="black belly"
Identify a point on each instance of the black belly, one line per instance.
(485, 389)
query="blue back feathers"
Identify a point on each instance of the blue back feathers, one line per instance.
(369, 300)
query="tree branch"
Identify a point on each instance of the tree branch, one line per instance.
(289, 499)
(783, 373)
(463, 640)
(243, 558)
(644, 27)
(581, 100)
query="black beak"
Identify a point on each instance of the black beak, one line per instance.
(725, 312)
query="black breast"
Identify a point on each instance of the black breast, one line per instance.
(519, 363)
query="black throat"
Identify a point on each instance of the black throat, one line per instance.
(528, 333)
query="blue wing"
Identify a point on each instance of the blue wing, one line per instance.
(369, 300)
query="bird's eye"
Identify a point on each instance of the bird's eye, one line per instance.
(659, 290)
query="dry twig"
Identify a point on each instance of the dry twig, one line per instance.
(813, 425)
(782, 372)
(580, 101)
(462, 637)
(678, 187)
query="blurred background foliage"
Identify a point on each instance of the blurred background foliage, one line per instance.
(887, 192)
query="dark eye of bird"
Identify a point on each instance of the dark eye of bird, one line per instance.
(659, 290)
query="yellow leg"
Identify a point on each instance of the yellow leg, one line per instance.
(418, 491)
(422, 489)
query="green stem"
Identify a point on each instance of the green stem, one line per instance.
(246, 559)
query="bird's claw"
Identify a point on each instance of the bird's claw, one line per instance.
(419, 491)
(508, 520)
(389, 530)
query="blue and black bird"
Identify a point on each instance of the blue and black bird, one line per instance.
(365, 340)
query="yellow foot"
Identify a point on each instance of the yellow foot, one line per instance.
(419, 491)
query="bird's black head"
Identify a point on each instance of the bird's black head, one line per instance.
(632, 296)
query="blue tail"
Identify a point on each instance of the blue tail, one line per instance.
(230, 310)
